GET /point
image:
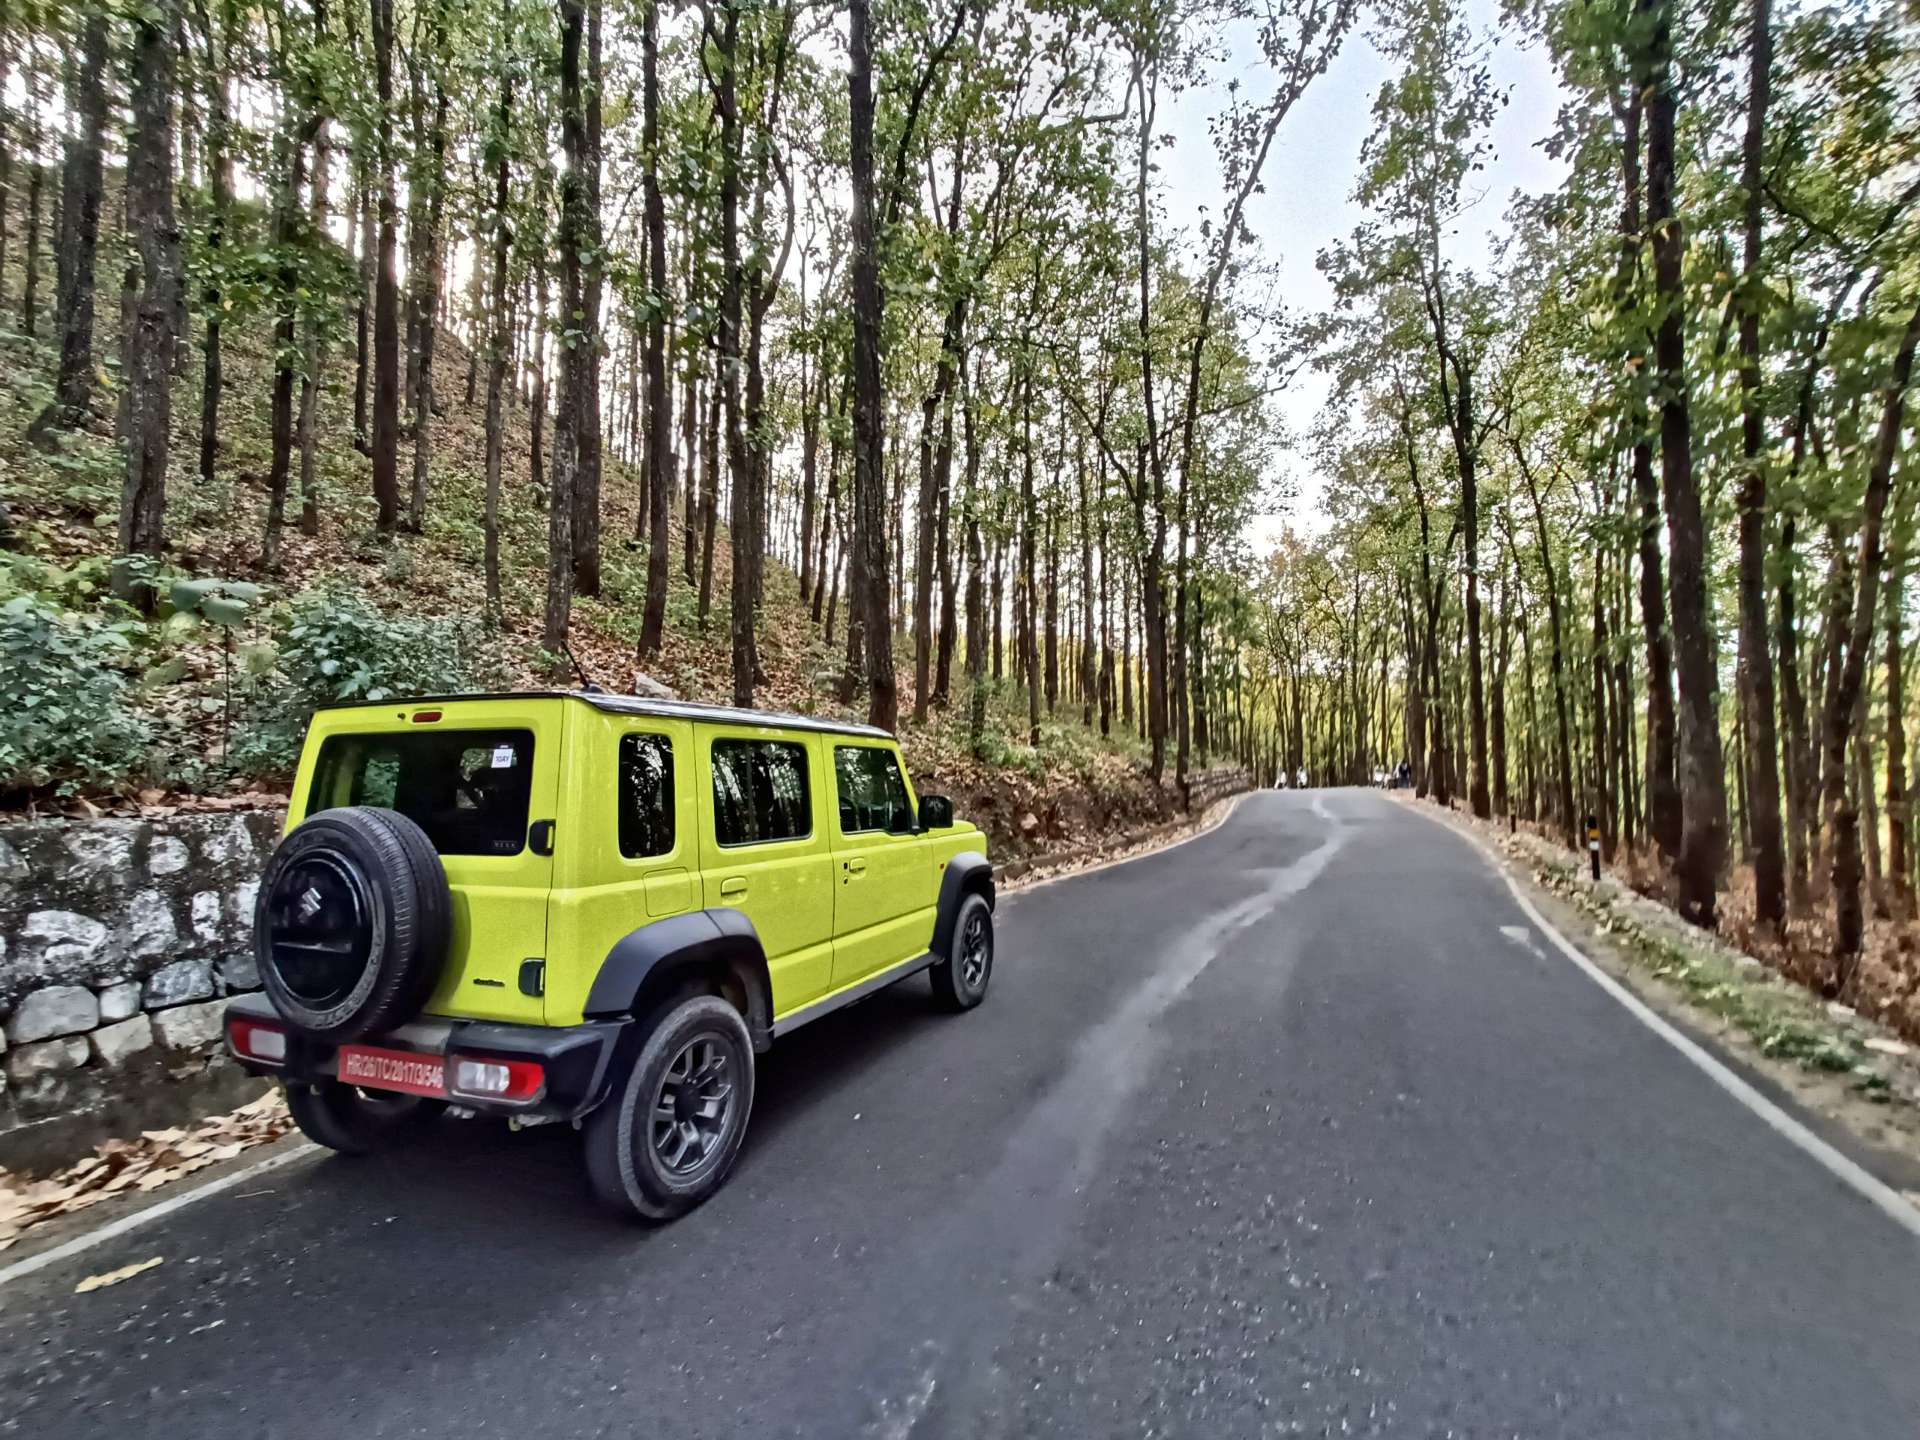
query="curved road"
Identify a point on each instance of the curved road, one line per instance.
(1298, 1128)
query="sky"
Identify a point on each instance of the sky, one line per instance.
(1306, 204)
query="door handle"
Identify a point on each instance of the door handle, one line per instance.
(856, 867)
(734, 887)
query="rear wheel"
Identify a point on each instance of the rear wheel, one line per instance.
(960, 981)
(667, 1139)
(354, 1121)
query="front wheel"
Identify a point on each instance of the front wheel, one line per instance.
(960, 981)
(667, 1139)
(354, 1121)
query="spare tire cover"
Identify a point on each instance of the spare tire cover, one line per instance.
(351, 926)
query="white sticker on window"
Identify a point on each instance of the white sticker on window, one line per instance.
(503, 757)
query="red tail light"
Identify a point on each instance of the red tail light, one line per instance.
(492, 1077)
(251, 1040)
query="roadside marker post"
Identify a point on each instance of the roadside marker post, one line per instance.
(1593, 844)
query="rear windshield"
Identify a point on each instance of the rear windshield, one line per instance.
(468, 789)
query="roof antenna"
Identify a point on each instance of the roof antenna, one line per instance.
(586, 681)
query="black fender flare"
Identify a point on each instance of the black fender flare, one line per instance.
(699, 940)
(967, 873)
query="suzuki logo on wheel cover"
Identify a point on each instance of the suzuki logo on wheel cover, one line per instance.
(309, 903)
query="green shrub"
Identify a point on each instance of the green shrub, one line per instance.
(65, 723)
(334, 647)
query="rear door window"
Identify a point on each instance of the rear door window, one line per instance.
(468, 789)
(760, 792)
(646, 796)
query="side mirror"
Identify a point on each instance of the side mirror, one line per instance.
(936, 812)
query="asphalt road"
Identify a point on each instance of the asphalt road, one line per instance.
(1297, 1128)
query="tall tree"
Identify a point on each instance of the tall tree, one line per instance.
(1756, 655)
(871, 596)
(568, 415)
(386, 285)
(80, 188)
(659, 426)
(150, 344)
(1703, 796)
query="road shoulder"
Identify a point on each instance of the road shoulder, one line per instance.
(1811, 1062)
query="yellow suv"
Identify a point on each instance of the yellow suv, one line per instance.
(591, 908)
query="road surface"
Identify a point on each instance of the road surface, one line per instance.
(1298, 1128)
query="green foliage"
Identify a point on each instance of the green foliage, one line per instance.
(226, 603)
(66, 723)
(334, 647)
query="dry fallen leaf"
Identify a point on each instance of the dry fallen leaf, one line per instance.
(114, 1277)
(118, 1166)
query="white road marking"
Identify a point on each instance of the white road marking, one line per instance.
(1213, 822)
(1876, 1192)
(20, 1269)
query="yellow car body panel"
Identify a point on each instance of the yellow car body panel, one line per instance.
(832, 909)
(500, 902)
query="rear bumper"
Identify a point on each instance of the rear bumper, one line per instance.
(576, 1061)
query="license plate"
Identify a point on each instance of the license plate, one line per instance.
(404, 1070)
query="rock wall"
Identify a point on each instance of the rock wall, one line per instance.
(119, 940)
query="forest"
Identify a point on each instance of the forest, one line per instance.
(867, 350)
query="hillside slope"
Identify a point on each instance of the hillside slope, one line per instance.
(216, 708)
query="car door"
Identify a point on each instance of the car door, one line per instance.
(764, 851)
(634, 856)
(883, 890)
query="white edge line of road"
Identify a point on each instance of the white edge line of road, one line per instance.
(1209, 823)
(79, 1244)
(1875, 1191)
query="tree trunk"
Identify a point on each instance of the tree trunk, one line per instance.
(286, 243)
(313, 353)
(363, 312)
(30, 287)
(1557, 665)
(1899, 866)
(1663, 792)
(1762, 807)
(501, 147)
(586, 375)
(883, 702)
(1028, 578)
(427, 192)
(567, 416)
(659, 430)
(386, 286)
(1848, 921)
(1703, 799)
(710, 498)
(150, 342)
(1798, 748)
(80, 188)
(739, 463)
(220, 39)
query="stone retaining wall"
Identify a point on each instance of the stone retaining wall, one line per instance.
(119, 940)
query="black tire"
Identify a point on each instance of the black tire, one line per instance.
(358, 1122)
(351, 926)
(960, 981)
(697, 1061)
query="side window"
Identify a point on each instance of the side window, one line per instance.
(760, 792)
(871, 793)
(646, 795)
